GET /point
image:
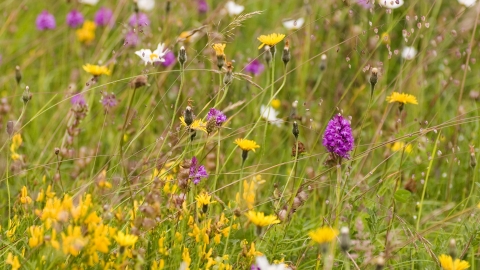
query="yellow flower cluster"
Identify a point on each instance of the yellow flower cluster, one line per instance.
(16, 142)
(86, 34)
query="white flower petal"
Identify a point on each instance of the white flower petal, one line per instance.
(294, 24)
(146, 5)
(234, 9)
(467, 3)
(408, 53)
(89, 2)
(391, 3)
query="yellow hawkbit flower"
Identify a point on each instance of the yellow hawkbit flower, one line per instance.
(323, 235)
(86, 34)
(448, 263)
(13, 261)
(402, 98)
(219, 49)
(24, 198)
(36, 236)
(270, 40)
(398, 146)
(260, 220)
(125, 239)
(16, 142)
(247, 145)
(96, 70)
(196, 125)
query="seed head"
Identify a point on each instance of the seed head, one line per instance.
(286, 53)
(182, 55)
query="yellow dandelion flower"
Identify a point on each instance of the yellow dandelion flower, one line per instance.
(402, 98)
(96, 70)
(125, 239)
(448, 263)
(247, 145)
(219, 48)
(270, 40)
(323, 235)
(259, 219)
(398, 146)
(13, 261)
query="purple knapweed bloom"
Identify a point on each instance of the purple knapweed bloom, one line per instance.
(202, 6)
(169, 59)
(78, 99)
(217, 115)
(74, 19)
(139, 19)
(366, 4)
(338, 138)
(108, 101)
(255, 67)
(131, 39)
(45, 21)
(103, 17)
(197, 172)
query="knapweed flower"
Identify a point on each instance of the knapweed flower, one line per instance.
(197, 172)
(323, 235)
(217, 116)
(408, 53)
(247, 145)
(125, 239)
(13, 261)
(151, 57)
(260, 220)
(103, 17)
(293, 24)
(402, 98)
(234, 9)
(338, 138)
(392, 4)
(399, 146)
(146, 5)
(89, 2)
(79, 100)
(270, 40)
(96, 70)
(270, 114)
(202, 6)
(467, 3)
(261, 263)
(131, 39)
(45, 21)
(169, 59)
(448, 263)
(255, 67)
(74, 18)
(108, 101)
(138, 19)
(86, 34)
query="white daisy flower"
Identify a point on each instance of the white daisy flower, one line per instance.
(270, 114)
(151, 57)
(467, 3)
(391, 3)
(234, 9)
(408, 53)
(263, 264)
(145, 5)
(89, 2)
(294, 24)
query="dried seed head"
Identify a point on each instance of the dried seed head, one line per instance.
(182, 55)
(283, 215)
(10, 126)
(344, 239)
(473, 159)
(374, 77)
(286, 53)
(220, 61)
(229, 75)
(18, 74)
(27, 96)
(139, 81)
(267, 55)
(57, 150)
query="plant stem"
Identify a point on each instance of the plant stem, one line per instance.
(182, 80)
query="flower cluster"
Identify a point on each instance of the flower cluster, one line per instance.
(338, 138)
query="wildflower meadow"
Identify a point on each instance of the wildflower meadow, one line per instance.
(246, 134)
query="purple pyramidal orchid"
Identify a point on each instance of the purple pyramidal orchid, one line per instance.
(338, 138)
(197, 172)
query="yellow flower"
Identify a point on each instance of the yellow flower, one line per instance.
(196, 125)
(36, 238)
(219, 48)
(385, 38)
(323, 235)
(186, 257)
(96, 70)
(125, 240)
(402, 98)
(270, 40)
(276, 103)
(86, 34)
(13, 261)
(247, 145)
(24, 198)
(16, 142)
(249, 193)
(259, 219)
(448, 263)
(73, 242)
(398, 146)
(203, 200)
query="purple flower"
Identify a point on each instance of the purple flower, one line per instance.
(109, 101)
(338, 138)
(202, 6)
(255, 67)
(197, 172)
(254, 267)
(131, 39)
(78, 99)
(169, 59)
(217, 115)
(139, 19)
(366, 4)
(103, 16)
(74, 19)
(45, 21)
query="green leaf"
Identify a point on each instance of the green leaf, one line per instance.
(402, 195)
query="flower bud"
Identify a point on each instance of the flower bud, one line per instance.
(139, 81)
(228, 76)
(10, 126)
(344, 239)
(18, 74)
(473, 159)
(220, 61)
(323, 62)
(168, 7)
(286, 53)
(267, 55)
(182, 55)
(295, 130)
(380, 263)
(188, 115)
(373, 79)
(452, 248)
(27, 96)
